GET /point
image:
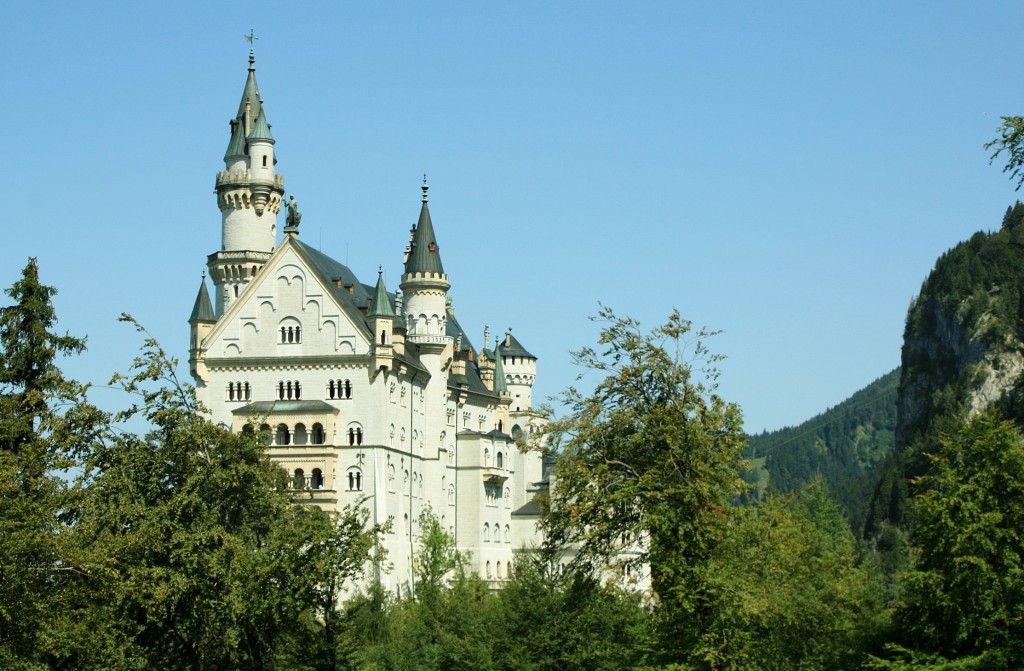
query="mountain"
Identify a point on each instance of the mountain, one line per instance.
(844, 446)
(963, 350)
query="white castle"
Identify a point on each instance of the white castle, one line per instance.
(367, 394)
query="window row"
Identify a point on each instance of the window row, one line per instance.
(291, 334)
(284, 435)
(499, 459)
(290, 390)
(239, 391)
(314, 480)
(499, 576)
(495, 533)
(338, 389)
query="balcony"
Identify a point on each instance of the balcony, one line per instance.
(495, 475)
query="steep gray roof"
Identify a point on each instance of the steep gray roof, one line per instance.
(261, 131)
(424, 255)
(380, 306)
(202, 311)
(511, 347)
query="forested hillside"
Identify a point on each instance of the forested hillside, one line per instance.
(844, 446)
(963, 351)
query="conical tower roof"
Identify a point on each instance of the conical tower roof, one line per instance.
(424, 255)
(380, 306)
(202, 311)
(500, 385)
(250, 110)
(261, 130)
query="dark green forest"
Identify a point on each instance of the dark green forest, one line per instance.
(844, 446)
(672, 540)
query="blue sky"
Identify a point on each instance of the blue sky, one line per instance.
(787, 172)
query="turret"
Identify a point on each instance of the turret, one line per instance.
(382, 320)
(425, 286)
(520, 371)
(200, 323)
(249, 194)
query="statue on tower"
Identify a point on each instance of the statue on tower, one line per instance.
(293, 217)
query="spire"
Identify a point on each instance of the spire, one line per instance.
(261, 130)
(424, 254)
(236, 147)
(250, 108)
(499, 372)
(202, 311)
(380, 306)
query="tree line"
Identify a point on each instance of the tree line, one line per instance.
(182, 548)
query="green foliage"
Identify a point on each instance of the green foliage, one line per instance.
(653, 453)
(964, 597)
(45, 423)
(1010, 141)
(787, 592)
(844, 446)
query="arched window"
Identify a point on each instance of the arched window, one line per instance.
(383, 337)
(246, 391)
(355, 479)
(359, 435)
(300, 437)
(488, 569)
(348, 388)
(500, 425)
(265, 429)
(487, 457)
(508, 498)
(487, 532)
(508, 534)
(247, 428)
(284, 436)
(351, 435)
(391, 478)
(497, 533)
(318, 479)
(330, 389)
(299, 479)
(497, 572)
(451, 495)
(499, 460)
(318, 434)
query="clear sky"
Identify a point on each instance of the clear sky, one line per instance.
(787, 172)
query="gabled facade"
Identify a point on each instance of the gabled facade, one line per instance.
(368, 394)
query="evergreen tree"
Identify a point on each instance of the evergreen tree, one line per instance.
(45, 424)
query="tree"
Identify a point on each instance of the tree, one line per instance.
(964, 597)
(209, 562)
(45, 423)
(1011, 141)
(786, 591)
(649, 460)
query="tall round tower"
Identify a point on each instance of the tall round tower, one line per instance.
(425, 287)
(249, 194)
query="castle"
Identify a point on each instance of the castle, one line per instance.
(367, 394)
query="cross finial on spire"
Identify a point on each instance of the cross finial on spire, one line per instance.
(251, 38)
(425, 187)
(380, 271)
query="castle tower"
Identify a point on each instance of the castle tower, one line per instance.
(425, 287)
(424, 299)
(520, 371)
(249, 194)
